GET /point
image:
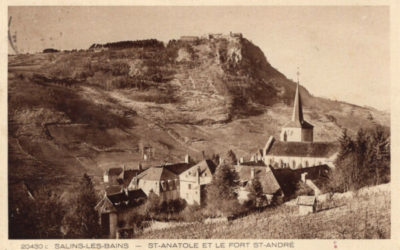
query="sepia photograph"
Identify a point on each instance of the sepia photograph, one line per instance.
(198, 122)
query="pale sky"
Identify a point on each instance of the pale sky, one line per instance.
(343, 52)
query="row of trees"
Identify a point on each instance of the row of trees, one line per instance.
(153, 43)
(363, 160)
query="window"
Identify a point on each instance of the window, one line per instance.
(306, 164)
(189, 186)
(294, 164)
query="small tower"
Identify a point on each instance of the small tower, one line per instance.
(297, 129)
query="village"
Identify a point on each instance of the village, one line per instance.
(280, 166)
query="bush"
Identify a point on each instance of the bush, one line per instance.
(192, 213)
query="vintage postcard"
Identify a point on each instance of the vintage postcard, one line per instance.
(200, 125)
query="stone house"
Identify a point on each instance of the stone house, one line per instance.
(269, 183)
(114, 210)
(160, 180)
(306, 204)
(193, 181)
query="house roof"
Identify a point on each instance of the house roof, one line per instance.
(105, 206)
(113, 202)
(128, 175)
(264, 174)
(178, 168)
(303, 149)
(114, 171)
(306, 200)
(204, 164)
(156, 174)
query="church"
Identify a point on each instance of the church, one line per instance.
(296, 148)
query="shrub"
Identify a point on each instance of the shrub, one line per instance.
(192, 213)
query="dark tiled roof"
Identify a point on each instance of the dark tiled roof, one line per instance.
(128, 176)
(264, 174)
(178, 168)
(114, 171)
(288, 178)
(303, 149)
(306, 200)
(135, 194)
(129, 199)
(204, 164)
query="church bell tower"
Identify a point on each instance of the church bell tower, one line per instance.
(297, 129)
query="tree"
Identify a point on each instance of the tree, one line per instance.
(221, 193)
(256, 194)
(362, 161)
(82, 220)
(152, 205)
(230, 158)
(38, 218)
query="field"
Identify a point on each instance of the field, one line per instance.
(361, 215)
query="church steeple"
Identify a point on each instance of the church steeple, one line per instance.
(297, 107)
(297, 129)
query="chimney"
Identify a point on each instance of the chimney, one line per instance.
(252, 173)
(303, 177)
(140, 167)
(187, 158)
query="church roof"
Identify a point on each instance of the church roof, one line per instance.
(297, 120)
(303, 149)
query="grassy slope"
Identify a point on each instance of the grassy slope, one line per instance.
(58, 132)
(364, 216)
